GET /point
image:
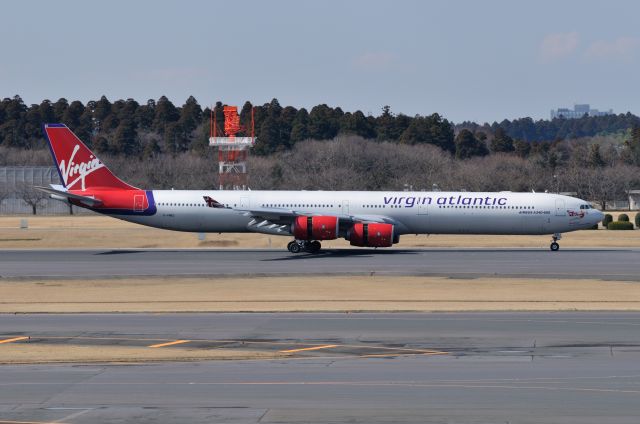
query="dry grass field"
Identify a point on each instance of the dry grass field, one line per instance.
(30, 353)
(315, 294)
(106, 232)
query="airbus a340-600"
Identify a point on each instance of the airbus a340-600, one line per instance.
(364, 218)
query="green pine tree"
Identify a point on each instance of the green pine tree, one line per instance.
(501, 142)
(190, 115)
(323, 124)
(467, 145)
(125, 140)
(300, 126)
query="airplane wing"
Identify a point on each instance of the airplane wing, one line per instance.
(279, 220)
(59, 193)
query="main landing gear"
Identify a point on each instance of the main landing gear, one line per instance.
(554, 243)
(297, 246)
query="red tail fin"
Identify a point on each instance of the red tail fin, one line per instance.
(79, 167)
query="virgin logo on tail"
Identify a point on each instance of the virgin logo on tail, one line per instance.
(80, 166)
(80, 170)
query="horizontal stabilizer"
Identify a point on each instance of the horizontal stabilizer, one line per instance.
(89, 201)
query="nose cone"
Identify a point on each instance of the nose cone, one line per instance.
(599, 216)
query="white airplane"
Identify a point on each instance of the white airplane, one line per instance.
(365, 218)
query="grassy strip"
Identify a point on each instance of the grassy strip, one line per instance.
(106, 232)
(316, 293)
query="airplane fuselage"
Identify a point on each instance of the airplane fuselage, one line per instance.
(366, 219)
(411, 212)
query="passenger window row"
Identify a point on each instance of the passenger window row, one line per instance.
(484, 207)
(181, 204)
(197, 205)
(288, 205)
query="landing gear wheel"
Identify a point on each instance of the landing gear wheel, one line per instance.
(315, 246)
(554, 246)
(294, 247)
(554, 242)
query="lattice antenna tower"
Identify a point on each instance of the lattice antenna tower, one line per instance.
(232, 149)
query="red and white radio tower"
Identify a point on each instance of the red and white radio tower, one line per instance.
(232, 150)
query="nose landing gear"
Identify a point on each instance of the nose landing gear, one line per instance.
(554, 243)
(297, 246)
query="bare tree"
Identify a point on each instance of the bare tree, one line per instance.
(353, 163)
(11, 156)
(5, 192)
(606, 185)
(600, 185)
(628, 178)
(31, 196)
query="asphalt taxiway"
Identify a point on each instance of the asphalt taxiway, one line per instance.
(492, 367)
(360, 368)
(618, 264)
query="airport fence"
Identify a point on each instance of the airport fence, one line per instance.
(15, 179)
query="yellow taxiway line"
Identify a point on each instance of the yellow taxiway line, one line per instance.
(29, 422)
(170, 343)
(15, 339)
(308, 348)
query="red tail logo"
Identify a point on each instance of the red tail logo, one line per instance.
(78, 172)
(79, 168)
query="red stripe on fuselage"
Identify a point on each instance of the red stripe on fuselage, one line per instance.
(133, 200)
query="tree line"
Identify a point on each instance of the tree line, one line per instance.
(129, 128)
(125, 127)
(329, 149)
(526, 129)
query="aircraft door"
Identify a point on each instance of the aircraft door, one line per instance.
(138, 202)
(560, 208)
(244, 203)
(345, 207)
(423, 209)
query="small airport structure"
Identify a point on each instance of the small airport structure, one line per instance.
(233, 149)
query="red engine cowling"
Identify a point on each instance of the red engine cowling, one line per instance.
(315, 228)
(371, 235)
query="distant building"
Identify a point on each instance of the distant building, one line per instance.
(578, 112)
(634, 200)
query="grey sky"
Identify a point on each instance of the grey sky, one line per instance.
(468, 60)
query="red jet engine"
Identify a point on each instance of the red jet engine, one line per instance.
(371, 235)
(315, 228)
